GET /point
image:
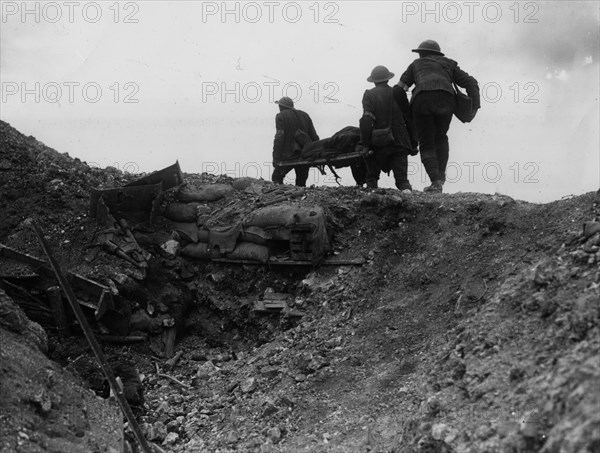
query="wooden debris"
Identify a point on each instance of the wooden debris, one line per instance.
(35, 309)
(171, 378)
(173, 360)
(80, 284)
(58, 310)
(169, 340)
(122, 338)
(134, 202)
(169, 177)
(93, 342)
(289, 195)
(287, 262)
(269, 306)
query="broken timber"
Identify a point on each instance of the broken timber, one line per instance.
(271, 306)
(169, 177)
(102, 293)
(139, 200)
(63, 281)
(274, 261)
(139, 203)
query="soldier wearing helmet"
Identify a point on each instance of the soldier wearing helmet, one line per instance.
(432, 104)
(294, 128)
(381, 110)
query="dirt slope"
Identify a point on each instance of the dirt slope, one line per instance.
(472, 327)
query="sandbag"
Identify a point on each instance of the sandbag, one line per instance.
(182, 212)
(224, 238)
(255, 235)
(245, 182)
(278, 233)
(272, 216)
(254, 189)
(249, 251)
(203, 235)
(199, 251)
(299, 225)
(187, 231)
(205, 192)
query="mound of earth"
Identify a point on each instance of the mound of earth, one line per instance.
(471, 326)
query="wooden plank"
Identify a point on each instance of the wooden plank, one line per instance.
(168, 337)
(100, 292)
(122, 338)
(58, 310)
(92, 340)
(169, 177)
(129, 202)
(271, 261)
(36, 309)
(344, 262)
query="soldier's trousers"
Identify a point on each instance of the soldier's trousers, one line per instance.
(393, 158)
(301, 175)
(432, 114)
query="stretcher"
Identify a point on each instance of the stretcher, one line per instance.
(338, 160)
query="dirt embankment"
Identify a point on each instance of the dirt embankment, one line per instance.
(471, 327)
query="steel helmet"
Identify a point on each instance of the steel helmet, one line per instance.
(380, 74)
(286, 102)
(429, 45)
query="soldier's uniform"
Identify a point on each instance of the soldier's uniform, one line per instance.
(433, 104)
(287, 122)
(377, 103)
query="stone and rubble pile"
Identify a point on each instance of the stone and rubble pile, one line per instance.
(380, 321)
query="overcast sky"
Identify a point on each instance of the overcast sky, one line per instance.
(137, 85)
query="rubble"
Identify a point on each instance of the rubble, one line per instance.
(461, 323)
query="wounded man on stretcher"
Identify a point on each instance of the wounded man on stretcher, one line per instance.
(342, 149)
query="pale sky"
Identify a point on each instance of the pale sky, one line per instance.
(137, 85)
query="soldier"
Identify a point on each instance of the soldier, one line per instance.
(294, 129)
(432, 105)
(381, 110)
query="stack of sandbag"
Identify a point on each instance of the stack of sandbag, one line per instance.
(265, 233)
(286, 223)
(237, 231)
(206, 229)
(191, 200)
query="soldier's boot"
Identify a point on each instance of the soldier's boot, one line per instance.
(436, 186)
(404, 187)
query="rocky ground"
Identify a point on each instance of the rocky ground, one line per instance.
(472, 325)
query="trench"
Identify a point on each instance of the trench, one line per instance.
(219, 308)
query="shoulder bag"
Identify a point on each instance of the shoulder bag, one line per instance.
(384, 137)
(301, 138)
(464, 110)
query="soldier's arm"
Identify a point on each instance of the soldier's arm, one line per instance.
(312, 133)
(407, 79)
(278, 140)
(462, 79)
(402, 99)
(367, 120)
